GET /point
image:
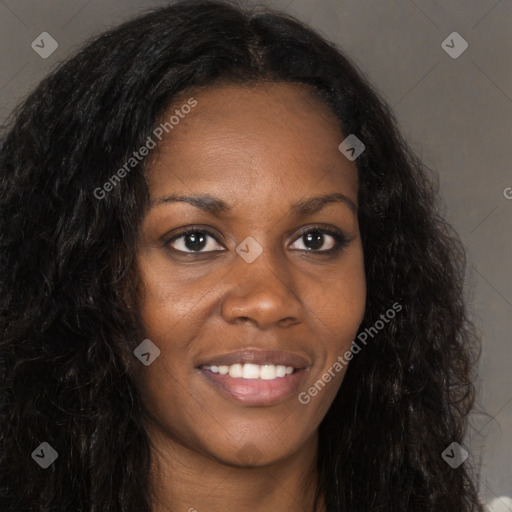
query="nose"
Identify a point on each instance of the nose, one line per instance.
(262, 292)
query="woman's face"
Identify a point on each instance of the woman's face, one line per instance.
(257, 281)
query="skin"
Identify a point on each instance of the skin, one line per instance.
(259, 148)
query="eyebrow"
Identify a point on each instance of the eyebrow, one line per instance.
(216, 206)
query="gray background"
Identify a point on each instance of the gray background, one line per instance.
(455, 112)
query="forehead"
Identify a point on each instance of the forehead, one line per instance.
(269, 138)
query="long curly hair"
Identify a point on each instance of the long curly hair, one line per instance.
(68, 276)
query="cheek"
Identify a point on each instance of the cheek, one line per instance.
(167, 304)
(170, 315)
(337, 307)
(172, 310)
(338, 302)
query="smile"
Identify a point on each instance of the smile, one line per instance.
(255, 377)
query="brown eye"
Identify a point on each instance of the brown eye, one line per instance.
(194, 241)
(322, 240)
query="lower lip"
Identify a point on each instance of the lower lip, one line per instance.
(255, 391)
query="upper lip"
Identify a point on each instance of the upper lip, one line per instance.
(258, 356)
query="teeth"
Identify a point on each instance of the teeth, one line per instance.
(280, 370)
(252, 371)
(235, 371)
(268, 372)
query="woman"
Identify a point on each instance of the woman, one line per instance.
(225, 283)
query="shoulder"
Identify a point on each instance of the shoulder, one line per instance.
(501, 504)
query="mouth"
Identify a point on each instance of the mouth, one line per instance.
(255, 377)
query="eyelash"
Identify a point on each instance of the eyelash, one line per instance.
(341, 240)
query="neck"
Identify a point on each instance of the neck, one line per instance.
(182, 479)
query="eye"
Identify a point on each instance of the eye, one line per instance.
(322, 239)
(194, 240)
(316, 239)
